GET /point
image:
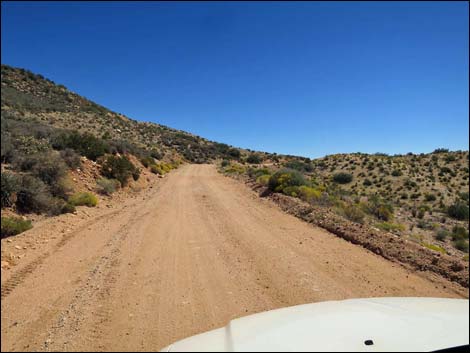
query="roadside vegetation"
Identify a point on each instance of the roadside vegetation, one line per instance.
(420, 197)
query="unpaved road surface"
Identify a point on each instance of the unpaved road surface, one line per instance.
(188, 255)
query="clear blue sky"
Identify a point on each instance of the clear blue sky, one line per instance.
(299, 78)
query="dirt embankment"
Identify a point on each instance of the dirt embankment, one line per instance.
(387, 245)
(186, 255)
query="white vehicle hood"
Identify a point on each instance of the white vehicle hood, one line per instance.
(391, 324)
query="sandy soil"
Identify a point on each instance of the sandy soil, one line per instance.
(185, 256)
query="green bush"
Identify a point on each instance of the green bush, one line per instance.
(263, 179)
(256, 172)
(47, 166)
(461, 245)
(85, 144)
(353, 213)
(254, 159)
(367, 182)
(156, 154)
(291, 191)
(309, 194)
(71, 158)
(154, 169)
(147, 161)
(284, 178)
(458, 210)
(459, 232)
(434, 247)
(10, 185)
(120, 168)
(380, 208)
(234, 153)
(430, 197)
(396, 172)
(68, 208)
(33, 196)
(13, 226)
(441, 234)
(299, 165)
(161, 168)
(225, 163)
(107, 186)
(83, 199)
(390, 227)
(342, 178)
(235, 169)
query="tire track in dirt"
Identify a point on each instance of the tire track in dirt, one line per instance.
(18, 277)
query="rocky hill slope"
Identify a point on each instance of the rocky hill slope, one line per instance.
(31, 98)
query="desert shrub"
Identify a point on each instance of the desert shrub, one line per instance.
(224, 163)
(430, 197)
(107, 186)
(445, 170)
(9, 186)
(234, 153)
(161, 168)
(441, 234)
(450, 158)
(459, 232)
(263, 179)
(410, 184)
(396, 172)
(441, 150)
(380, 208)
(434, 247)
(156, 154)
(309, 194)
(464, 196)
(461, 244)
(353, 213)
(71, 158)
(136, 174)
(13, 226)
(458, 210)
(61, 188)
(154, 169)
(256, 172)
(291, 191)
(68, 208)
(254, 159)
(7, 148)
(33, 196)
(342, 178)
(85, 144)
(147, 161)
(367, 182)
(284, 178)
(420, 213)
(83, 199)
(390, 227)
(299, 165)
(48, 166)
(235, 169)
(120, 168)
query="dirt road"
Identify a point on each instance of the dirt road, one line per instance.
(188, 255)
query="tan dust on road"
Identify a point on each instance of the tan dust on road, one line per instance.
(197, 250)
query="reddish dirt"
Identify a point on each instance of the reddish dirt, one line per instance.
(186, 255)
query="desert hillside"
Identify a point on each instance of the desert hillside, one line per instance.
(421, 197)
(32, 98)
